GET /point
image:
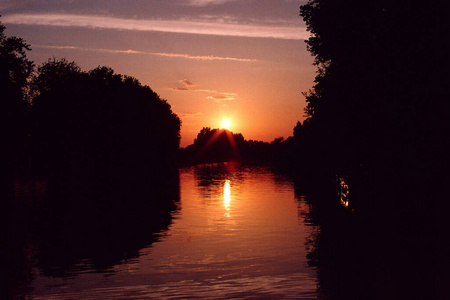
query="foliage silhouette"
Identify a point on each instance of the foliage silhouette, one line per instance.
(15, 72)
(99, 124)
(221, 145)
(93, 127)
(378, 105)
(89, 155)
(378, 114)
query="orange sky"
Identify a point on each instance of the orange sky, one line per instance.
(245, 61)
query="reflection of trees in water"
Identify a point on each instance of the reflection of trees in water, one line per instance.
(216, 179)
(213, 174)
(16, 246)
(103, 227)
(70, 231)
(394, 255)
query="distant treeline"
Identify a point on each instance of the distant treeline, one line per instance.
(220, 145)
(62, 123)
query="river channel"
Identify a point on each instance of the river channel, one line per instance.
(234, 233)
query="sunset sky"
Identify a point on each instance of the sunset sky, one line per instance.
(213, 60)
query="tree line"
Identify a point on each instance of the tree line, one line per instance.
(61, 122)
(221, 145)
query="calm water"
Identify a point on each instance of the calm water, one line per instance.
(234, 233)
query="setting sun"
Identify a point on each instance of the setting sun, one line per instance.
(226, 124)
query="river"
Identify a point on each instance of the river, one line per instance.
(234, 232)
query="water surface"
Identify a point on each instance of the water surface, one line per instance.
(236, 233)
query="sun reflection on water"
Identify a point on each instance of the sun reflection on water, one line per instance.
(226, 195)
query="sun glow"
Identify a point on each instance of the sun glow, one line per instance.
(226, 124)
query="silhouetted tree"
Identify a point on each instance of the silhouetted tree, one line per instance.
(217, 145)
(203, 136)
(99, 124)
(220, 145)
(378, 112)
(378, 103)
(106, 146)
(15, 71)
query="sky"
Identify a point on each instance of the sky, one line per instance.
(244, 61)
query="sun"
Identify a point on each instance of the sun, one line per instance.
(226, 124)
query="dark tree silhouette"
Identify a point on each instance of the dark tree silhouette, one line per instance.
(379, 102)
(221, 145)
(217, 145)
(99, 125)
(92, 156)
(15, 71)
(378, 114)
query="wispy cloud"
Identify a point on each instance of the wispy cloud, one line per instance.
(217, 96)
(205, 27)
(214, 95)
(186, 82)
(207, 2)
(220, 98)
(129, 51)
(190, 114)
(205, 57)
(213, 91)
(180, 89)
